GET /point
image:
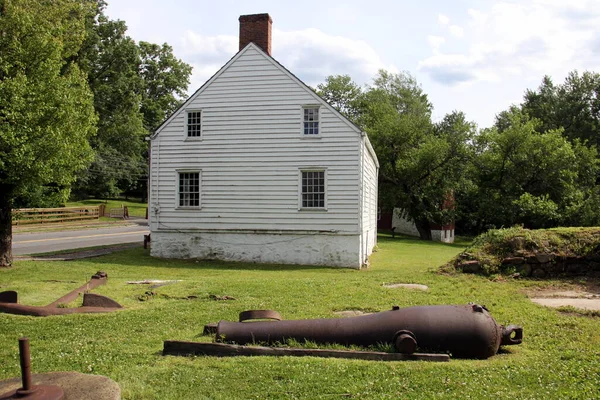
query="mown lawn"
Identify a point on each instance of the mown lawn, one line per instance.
(559, 358)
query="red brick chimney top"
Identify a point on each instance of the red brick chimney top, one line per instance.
(256, 28)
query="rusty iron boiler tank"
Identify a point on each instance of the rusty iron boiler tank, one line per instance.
(464, 331)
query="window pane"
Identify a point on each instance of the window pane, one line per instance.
(189, 189)
(194, 125)
(311, 121)
(313, 189)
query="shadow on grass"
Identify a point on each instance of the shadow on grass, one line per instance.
(139, 257)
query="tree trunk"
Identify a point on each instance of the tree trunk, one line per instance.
(422, 226)
(5, 225)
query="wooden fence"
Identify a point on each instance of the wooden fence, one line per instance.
(25, 216)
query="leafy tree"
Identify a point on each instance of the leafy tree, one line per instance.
(165, 80)
(421, 163)
(522, 176)
(111, 59)
(573, 106)
(46, 108)
(135, 87)
(342, 93)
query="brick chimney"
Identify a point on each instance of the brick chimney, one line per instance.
(256, 28)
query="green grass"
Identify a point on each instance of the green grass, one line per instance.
(559, 358)
(136, 208)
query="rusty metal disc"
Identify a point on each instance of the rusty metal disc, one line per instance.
(405, 342)
(39, 392)
(259, 314)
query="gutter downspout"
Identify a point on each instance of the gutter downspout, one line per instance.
(361, 199)
(153, 215)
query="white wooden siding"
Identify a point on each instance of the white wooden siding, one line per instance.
(369, 213)
(250, 152)
(369, 202)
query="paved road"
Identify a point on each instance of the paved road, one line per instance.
(31, 243)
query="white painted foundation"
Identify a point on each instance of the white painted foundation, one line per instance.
(271, 248)
(444, 235)
(403, 225)
(408, 228)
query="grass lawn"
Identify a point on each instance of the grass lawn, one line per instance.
(136, 208)
(559, 357)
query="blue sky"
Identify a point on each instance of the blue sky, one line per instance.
(474, 56)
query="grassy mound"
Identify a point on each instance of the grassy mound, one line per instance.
(538, 253)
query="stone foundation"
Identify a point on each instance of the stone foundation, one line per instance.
(270, 248)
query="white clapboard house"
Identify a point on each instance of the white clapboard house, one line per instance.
(256, 167)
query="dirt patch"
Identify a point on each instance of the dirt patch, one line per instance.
(589, 289)
(580, 296)
(583, 304)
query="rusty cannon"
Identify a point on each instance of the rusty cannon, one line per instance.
(92, 303)
(465, 331)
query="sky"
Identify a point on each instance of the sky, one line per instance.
(474, 56)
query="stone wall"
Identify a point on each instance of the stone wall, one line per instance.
(537, 264)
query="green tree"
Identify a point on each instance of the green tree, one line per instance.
(46, 108)
(111, 60)
(165, 80)
(522, 176)
(421, 163)
(135, 86)
(342, 93)
(573, 106)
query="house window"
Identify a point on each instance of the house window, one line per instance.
(311, 121)
(189, 189)
(313, 189)
(194, 123)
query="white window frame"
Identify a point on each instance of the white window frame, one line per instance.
(320, 121)
(186, 117)
(178, 173)
(325, 182)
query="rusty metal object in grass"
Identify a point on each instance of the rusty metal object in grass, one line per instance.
(465, 331)
(92, 303)
(259, 314)
(28, 391)
(178, 348)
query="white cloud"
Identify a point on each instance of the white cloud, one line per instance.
(206, 54)
(310, 54)
(527, 39)
(436, 41)
(456, 30)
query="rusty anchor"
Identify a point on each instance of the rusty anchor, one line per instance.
(92, 303)
(28, 391)
(465, 331)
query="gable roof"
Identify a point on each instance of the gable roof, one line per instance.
(277, 65)
(283, 69)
